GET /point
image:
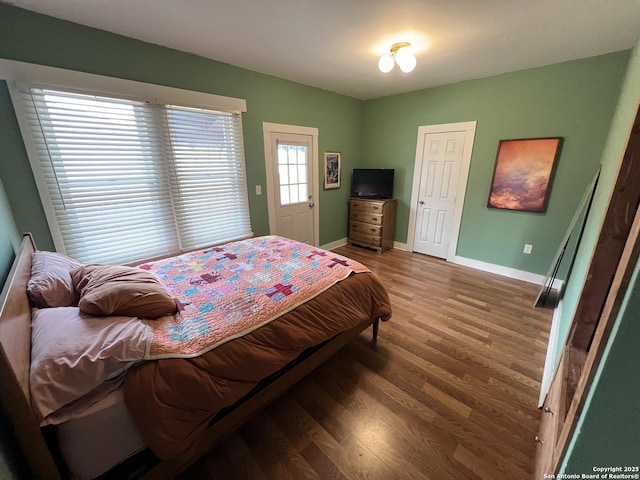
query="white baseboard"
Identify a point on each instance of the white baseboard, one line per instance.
(401, 246)
(334, 244)
(504, 271)
(549, 363)
(343, 241)
(469, 262)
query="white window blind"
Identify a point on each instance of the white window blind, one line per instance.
(128, 180)
(210, 190)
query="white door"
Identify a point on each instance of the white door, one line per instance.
(437, 189)
(292, 186)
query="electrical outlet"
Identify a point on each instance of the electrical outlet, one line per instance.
(527, 248)
(258, 189)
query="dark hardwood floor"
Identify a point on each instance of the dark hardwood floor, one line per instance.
(449, 391)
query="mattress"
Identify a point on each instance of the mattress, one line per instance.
(99, 438)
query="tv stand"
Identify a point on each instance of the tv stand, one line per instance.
(372, 223)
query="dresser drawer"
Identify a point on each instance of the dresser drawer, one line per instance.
(366, 206)
(372, 223)
(366, 228)
(365, 239)
(366, 217)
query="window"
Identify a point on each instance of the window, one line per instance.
(292, 173)
(124, 180)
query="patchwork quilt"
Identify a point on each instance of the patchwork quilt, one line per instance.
(227, 291)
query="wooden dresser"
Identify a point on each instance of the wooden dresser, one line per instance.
(372, 223)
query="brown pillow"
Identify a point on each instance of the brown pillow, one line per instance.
(50, 284)
(118, 290)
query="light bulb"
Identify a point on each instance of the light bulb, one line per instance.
(405, 59)
(408, 64)
(385, 64)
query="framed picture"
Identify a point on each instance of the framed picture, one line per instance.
(332, 169)
(523, 173)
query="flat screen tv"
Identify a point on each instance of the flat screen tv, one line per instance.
(372, 182)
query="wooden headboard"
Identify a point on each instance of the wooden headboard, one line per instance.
(15, 358)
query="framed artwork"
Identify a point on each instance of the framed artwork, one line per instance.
(332, 169)
(523, 173)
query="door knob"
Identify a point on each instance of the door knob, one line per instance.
(311, 205)
(538, 440)
(421, 202)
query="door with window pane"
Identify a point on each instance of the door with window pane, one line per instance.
(293, 192)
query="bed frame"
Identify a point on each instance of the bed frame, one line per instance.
(15, 356)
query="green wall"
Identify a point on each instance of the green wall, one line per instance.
(611, 158)
(574, 100)
(608, 430)
(9, 238)
(15, 172)
(75, 47)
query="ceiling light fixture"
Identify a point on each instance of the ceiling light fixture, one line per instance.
(401, 54)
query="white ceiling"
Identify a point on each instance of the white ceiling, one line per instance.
(335, 44)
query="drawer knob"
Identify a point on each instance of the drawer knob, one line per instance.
(538, 440)
(373, 230)
(548, 410)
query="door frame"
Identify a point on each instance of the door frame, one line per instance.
(269, 161)
(470, 131)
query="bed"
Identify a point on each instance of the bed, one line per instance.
(180, 405)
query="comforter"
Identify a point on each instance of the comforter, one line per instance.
(174, 400)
